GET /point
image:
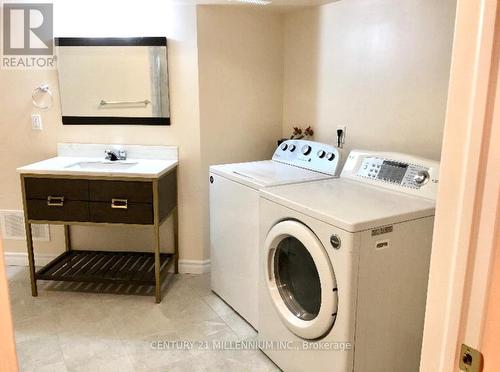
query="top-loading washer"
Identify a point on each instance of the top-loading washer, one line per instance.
(234, 215)
(344, 266)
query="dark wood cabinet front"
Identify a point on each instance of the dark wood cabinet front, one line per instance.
(99, 201)
(121, 202)
(42, 188)
(66, 210)
(132, 213)
(133, 191)
(55, 199)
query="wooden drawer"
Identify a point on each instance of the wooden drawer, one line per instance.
(42, 188)
(67, 210)
(134, 213)
(134, 192)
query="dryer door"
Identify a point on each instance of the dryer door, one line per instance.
(300, 280)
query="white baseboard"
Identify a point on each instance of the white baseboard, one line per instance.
(194, 266)
(41, 259)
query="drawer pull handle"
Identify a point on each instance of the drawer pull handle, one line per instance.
(55, 201)
(119, 203)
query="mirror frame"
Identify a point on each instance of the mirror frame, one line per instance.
(114, 41)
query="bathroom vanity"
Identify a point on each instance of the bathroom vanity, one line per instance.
(80, 187)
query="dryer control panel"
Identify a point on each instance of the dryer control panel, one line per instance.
(311, 155)
(396, 171)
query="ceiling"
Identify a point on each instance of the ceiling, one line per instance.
(279, 5)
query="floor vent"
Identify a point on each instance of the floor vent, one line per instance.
(12, 225)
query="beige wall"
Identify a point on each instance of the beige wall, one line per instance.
(240, 59)
(240, 66)
(19, 145)
(237, 57)
(381, 67)
(239, 78)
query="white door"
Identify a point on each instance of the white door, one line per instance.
(466, 244)
(300, 280)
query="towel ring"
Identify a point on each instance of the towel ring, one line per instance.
(44, 88)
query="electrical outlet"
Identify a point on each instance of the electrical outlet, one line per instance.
(36, 122)
(343, 128)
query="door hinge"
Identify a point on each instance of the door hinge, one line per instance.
(471, 360)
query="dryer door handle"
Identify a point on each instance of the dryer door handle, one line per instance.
(270, 261)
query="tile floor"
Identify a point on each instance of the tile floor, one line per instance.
(75, 327)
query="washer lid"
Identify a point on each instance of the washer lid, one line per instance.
(350, 205)
(259, 174)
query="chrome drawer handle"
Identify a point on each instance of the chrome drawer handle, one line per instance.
(119, 203)
(55, 201)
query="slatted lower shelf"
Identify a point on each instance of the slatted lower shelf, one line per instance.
(105, 267)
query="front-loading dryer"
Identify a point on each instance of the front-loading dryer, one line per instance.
(344, 266)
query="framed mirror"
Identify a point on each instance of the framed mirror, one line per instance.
(113, 81)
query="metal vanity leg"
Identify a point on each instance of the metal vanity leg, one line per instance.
(29, 242)
(176, 240)
(67, 238)
(157, 241)
(31, 260)
(157, 264)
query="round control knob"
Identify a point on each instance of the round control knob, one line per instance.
(291, 148)
(421, 177)
(321, 154)
(306, 149)
(330, 156)
(284, 146)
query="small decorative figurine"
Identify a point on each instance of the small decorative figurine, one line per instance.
(298, 133)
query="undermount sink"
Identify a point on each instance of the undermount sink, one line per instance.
(102, 165)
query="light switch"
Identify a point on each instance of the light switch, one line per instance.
(36, 122)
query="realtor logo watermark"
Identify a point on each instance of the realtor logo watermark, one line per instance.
(27, 36)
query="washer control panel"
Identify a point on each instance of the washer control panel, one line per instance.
(401, 172)
(311, 155)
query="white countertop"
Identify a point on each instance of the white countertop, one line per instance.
(142, 162)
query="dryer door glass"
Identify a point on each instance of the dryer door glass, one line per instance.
(300, 279)
(297, 279)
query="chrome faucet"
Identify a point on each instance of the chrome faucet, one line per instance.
(114, 155)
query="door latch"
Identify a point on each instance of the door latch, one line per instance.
(471, 360)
